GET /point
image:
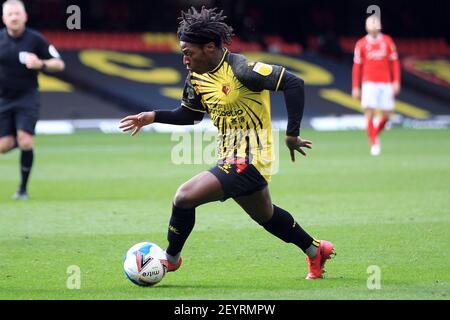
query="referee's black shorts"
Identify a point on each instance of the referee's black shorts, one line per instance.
(238, 180)
(19, 113)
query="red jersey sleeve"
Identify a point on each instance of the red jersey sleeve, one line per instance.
(358, 59)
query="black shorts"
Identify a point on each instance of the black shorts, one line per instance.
(238, 180)
(20, 113)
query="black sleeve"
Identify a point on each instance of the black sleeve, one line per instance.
(191, 99)
(294, 96)
(178, 116)
(256, 76)
(44, 50)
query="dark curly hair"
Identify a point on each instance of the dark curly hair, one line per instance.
(204, 26)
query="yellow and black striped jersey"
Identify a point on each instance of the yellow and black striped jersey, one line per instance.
(236, 96)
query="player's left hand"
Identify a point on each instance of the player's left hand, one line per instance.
(33, 62)
(296, 144)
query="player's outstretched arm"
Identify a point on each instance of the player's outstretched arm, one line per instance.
(179, 116)
(136, 122)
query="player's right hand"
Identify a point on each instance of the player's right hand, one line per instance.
(356, 93)
(136, 122)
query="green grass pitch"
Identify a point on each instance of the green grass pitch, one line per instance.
(94, 195)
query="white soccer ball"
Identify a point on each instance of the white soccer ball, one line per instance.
(145, 264)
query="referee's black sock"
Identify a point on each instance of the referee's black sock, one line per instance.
(283, 226)
(180, 226)
(26, 162)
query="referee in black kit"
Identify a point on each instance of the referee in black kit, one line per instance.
(23, 53)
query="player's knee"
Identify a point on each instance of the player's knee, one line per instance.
(26, 146)
(25, 143)
(262, 216)
(184, 198)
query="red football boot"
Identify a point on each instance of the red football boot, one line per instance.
(316, 264)
(172, 267)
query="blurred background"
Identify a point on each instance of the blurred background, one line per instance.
(125, 57)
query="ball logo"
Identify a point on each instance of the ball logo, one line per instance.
(150, 273)
(142, 260)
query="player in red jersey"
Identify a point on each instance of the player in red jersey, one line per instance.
(377, 67)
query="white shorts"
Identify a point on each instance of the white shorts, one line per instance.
(377, 95)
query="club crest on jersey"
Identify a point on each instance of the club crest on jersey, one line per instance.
(226, 89)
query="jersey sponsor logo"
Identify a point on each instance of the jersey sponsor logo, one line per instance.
(225, 112)
(263, 69)
(377, 54)
(376, 51)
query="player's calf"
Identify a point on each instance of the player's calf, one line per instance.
(181, 223)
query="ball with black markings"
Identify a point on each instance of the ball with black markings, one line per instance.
(145, 264)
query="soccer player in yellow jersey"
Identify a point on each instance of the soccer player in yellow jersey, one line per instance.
(235, 94)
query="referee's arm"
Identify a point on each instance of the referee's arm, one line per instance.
(53, 65)
(50, 65)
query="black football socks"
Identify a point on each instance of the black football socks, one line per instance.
(26, 162)
(283, 226)
(180, 226)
